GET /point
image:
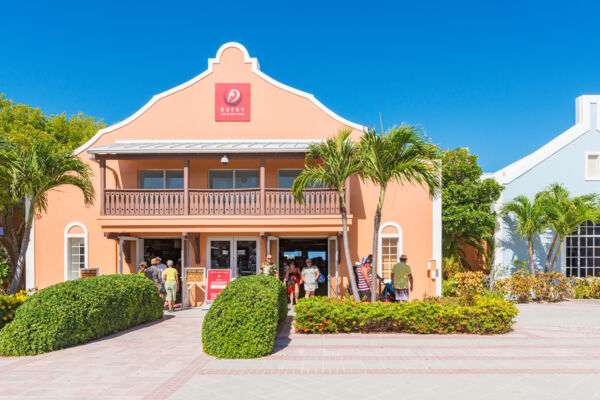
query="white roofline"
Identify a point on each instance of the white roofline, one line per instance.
(201, 141)
(583, 124)
(211, 62)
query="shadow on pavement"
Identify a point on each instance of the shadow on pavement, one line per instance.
(282, 340)
(164, 318)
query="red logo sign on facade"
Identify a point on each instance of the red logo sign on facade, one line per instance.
(217, 279)
(232, 102)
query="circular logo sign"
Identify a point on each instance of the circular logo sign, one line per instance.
(233, 96)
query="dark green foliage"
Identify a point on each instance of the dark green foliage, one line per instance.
(242, 322)
(75, 312)
(467, 219)
(488, 314)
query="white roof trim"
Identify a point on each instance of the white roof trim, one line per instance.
(203, 146)
(584, 107)
(211, 62)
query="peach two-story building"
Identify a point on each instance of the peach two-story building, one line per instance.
(202, 174)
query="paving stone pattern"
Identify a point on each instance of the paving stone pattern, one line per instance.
(553, 353)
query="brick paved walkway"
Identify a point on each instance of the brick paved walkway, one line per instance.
(554, 353)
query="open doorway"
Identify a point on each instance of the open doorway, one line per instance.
(299, 249)
(166, 249)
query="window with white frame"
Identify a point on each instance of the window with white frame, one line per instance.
(390, 248)
(582, 252)
(592, 166)
(161, 179)
(75, 250)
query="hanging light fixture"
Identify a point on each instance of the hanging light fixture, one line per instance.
(224, 159)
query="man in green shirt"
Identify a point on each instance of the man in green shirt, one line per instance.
(402, 279)
(269, 267)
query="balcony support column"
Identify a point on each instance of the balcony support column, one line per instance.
(102, 187)
(262, 186)
(186, 187)
(347, 195)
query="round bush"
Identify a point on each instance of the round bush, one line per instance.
(242, 322)
(75, 312)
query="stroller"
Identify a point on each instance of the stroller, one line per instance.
(387, 295)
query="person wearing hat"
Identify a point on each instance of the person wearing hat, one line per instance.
(402, 279)
(310, 275)
(154, 274)
(142, 268)
(162, 290)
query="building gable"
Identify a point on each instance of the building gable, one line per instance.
(187, 112)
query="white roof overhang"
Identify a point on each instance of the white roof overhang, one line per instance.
(202, 147)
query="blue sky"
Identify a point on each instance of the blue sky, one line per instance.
(498, 77)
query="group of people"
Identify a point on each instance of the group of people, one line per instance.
(165, 277)
(309, 276)
(402, 279)
(293, 277)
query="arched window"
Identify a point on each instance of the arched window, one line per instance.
(76, 245)
(389, 249)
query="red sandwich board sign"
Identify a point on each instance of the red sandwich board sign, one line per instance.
(232, 102)
(217, 279)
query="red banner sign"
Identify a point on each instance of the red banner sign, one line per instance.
(232, 102)
(217, 279)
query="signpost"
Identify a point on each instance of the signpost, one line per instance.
(216, 282)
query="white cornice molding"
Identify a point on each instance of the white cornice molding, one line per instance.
(584, 106)
(211, 62)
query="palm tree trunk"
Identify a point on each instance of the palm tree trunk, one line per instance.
(553, 269)
(530, 243)
(550, 253)
(16, 281)
(376, 224)
(347, 253)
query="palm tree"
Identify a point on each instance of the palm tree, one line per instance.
(530, 219)
(556, 202)
(577, 211)
(403, 155)
(28, 177)
(331, 163)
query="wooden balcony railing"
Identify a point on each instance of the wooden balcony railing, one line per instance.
(132, 202)
(143, 202)
(224, 202)
(316, 201)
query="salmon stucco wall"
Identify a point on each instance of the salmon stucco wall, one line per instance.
(187, 112)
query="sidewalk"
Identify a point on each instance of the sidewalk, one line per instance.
(554, 353)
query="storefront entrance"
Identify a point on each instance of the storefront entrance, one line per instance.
(299, 249)
(238, 254)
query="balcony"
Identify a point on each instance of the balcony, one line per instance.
(138, 202)
(190, 201)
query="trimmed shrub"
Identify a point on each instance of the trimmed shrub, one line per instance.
(552, 286)
(75, 312)
(9, 305)
(242, 321)
(517, 287)
(586, 288)
(524, 287)
(469, 285)
(488, 314)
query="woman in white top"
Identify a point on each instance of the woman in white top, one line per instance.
(310, 275)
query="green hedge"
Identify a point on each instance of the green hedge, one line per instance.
(488, 314)
(75, 312)
(242, 322)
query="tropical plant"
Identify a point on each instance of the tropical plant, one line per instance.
(29, 176)
(404, 155)
(530, 219)
(331, 163)
(577, 211)
(23, 126)
(468, 218)
(556, 203)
